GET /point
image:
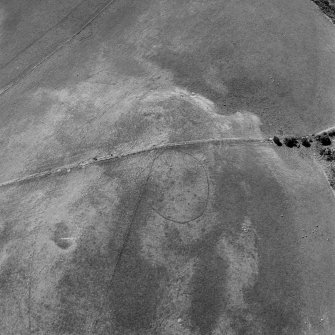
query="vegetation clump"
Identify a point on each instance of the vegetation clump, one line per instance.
(328, 153)
(324, 139)
(305, 141)
(291, 142)
(328, 7)
(277, 141)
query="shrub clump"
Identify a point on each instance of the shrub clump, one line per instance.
(291, 142)
(324, 139)
(277, 141)
(328, 153)
(305, 142)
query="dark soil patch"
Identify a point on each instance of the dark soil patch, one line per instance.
(328, 7)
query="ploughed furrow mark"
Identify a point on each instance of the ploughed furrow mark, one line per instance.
(4, 65)
(131, 224)
(43, 42)
(327, 7)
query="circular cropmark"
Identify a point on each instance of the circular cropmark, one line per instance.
(178, 187)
